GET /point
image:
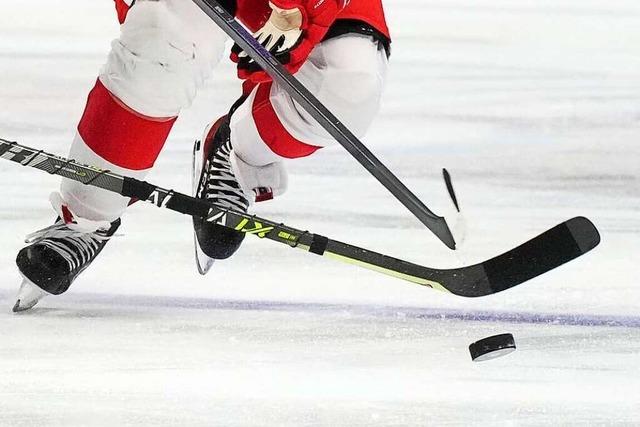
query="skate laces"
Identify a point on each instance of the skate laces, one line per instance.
(76, 246)
(60, 230)
(77, 240)
(222, 186)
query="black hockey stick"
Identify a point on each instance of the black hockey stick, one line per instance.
(539, 255)
(326, 119)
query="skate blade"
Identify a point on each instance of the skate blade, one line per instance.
(18, 307)
(28, 296)
(203, 262)
(196, 166)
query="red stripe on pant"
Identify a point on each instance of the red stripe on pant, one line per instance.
(271, 130)
(120, 135)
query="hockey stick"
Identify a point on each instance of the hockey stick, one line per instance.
(326, 119)
(539, 255)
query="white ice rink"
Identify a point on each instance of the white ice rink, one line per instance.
(534, 107)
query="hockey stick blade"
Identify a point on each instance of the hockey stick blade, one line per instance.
(537, 256)
(543, 253)
(302, 96)
(447, 180)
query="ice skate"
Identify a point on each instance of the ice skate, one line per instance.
(224, 178)
(215, 181)
(57, 254)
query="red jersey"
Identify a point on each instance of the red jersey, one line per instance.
(252, 13)
(369, 11)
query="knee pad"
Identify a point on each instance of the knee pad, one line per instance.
(346, 74)
(357, 102)
(354, 80)
(157, 64)
(352, 71)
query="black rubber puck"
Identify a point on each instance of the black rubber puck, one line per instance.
(492, 347)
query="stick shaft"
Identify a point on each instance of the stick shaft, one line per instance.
(327, 120)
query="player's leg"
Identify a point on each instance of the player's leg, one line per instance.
(165, 51)
(346, 74)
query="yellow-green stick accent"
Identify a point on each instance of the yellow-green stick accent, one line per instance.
(418, 280)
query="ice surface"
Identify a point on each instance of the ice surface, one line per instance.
(533, 106)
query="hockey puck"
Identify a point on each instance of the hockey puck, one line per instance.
(492, 347)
